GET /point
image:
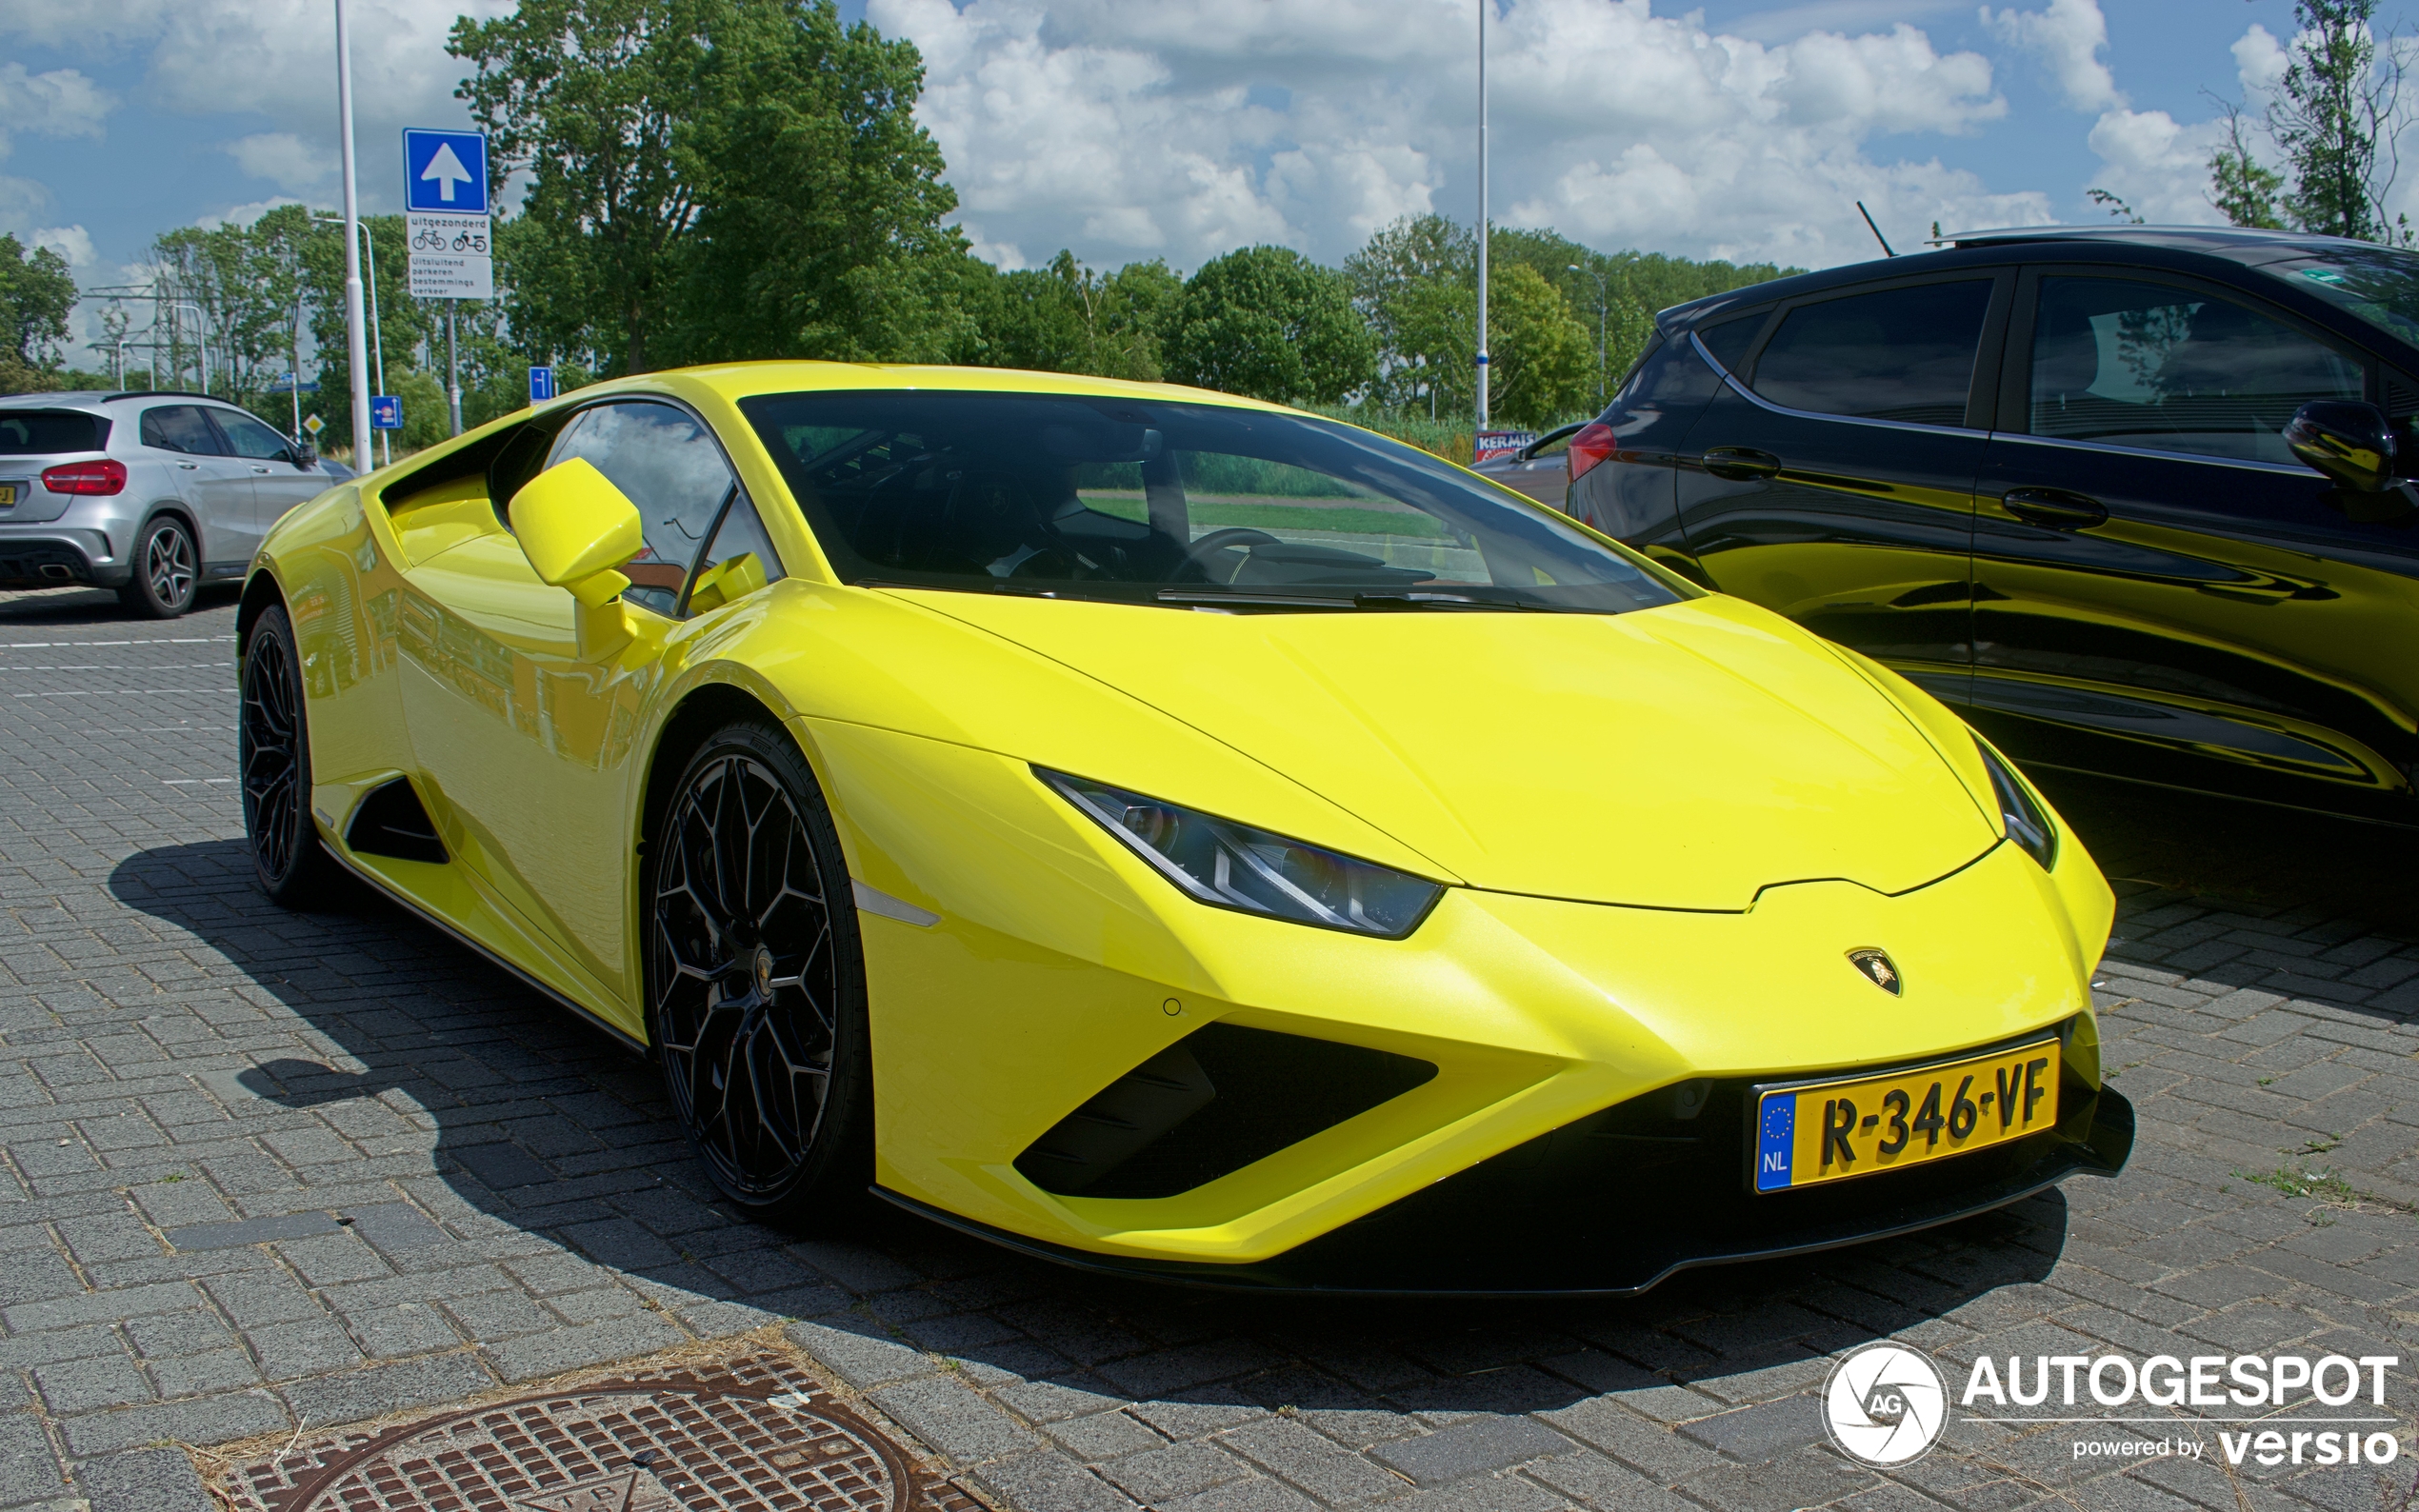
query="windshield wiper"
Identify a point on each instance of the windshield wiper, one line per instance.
(1409, 599)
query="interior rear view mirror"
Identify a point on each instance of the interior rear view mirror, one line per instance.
(2350, 441)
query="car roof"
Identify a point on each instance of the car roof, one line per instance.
(2177, 247)
(743, 380)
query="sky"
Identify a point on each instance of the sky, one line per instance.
(1182, 128)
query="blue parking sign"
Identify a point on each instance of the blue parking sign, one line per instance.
(445, 172)
(541, 384)
(386, 412)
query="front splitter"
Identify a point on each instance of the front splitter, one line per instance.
(1552, 1233)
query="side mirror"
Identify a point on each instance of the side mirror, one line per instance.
(576, 528)
(2350, 441)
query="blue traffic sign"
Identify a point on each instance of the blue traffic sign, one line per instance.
(541, 384)
(445, 172)
(386, 412)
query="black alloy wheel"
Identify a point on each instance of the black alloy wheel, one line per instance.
(756, 980)
(168, 571)
(274, 754)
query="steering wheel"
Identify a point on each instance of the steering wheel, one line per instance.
(1232, 535)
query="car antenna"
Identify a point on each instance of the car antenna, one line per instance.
(1877, 230)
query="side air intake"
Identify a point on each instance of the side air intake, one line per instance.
(391, 822)
(1212, 1102)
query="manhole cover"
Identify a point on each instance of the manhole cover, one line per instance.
(760, 1441)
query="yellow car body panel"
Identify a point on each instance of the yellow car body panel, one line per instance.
(1657, 832)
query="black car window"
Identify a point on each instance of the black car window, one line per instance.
(2149, 365)
(1167, 502)
(249, 437)
(1729, 339)
(181, 427)
(1662, 397)
(39, 433)
(670, 468)
(1904, 353)
(739, 561)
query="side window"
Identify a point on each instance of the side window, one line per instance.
(1662, 397)
(1903, 354)
(672, 471)
(249, 437)
(1729, 339)
(2147, 364)
(740, 561)
(180, 427)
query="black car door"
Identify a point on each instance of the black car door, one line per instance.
(1832, 479)
(2161, 589)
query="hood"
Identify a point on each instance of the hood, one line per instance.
(1681, 757)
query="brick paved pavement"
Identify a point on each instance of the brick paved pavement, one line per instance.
(263, 1169)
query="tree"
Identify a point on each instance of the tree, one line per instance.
(36, 293)
(1268, 322)
(713, 179)
(2244, 192)
(1069, 318)
(2336, 116)
(1542, 361)
(819, 231)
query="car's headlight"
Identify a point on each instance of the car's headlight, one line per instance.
(1232, 866)
(2020, 816)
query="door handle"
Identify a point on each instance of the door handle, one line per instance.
(188, 466)
(2057, 509)
(256, 468)
(1741, 464)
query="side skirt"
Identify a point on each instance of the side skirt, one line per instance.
(378, 884)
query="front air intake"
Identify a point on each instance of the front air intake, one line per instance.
(1211, 1103)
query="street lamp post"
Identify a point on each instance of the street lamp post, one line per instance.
(1603, 301)
(357, 357)
(1482, 214)
(369, 249)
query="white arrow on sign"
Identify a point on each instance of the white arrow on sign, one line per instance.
(447, 169)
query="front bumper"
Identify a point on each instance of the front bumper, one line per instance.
(1568, 1215)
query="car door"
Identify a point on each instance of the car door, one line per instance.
(279, 480)
(1831, 477)
(2161, 589)
(217, 486)
(1543, 470)
(530, 744)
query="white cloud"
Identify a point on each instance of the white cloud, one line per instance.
(243, 214)
(2259, 62)
(2158, 166)
(2069, 38)
(1185, 128)
(60, 103)
(284, 159)
(70, 242)
(273, 59)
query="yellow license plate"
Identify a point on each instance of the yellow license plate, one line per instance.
(8, 494)
(1811, 1132)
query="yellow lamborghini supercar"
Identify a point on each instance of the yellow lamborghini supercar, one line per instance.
(1176, 834)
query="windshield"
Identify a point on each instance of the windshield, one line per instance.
(2378, 283)
(1185, 505)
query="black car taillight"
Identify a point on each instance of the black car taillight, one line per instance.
(1593, 444)
(104, 476)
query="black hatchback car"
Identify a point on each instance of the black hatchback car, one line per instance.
(2132, 499)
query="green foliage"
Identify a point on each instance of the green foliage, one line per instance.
(2341, 96)
(2244, 192)
(36, 293)
(714, 179)
(1268, 322)
(1068, 318)
(1416, 282)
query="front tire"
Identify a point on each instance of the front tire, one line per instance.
(168, 571)
(755, 982)
(273, 750)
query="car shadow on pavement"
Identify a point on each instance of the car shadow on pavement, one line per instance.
(383, 1066)
(87, 607)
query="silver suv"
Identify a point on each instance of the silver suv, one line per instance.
(152, 494)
